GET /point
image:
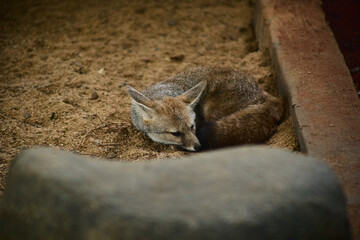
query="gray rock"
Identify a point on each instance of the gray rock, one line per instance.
(240, 193)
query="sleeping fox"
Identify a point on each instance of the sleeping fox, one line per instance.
(206, 107)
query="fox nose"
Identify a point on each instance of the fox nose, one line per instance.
(197, 147)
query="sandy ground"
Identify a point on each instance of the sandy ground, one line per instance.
(51, 91)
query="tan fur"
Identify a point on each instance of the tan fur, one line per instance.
(230, 108)
(252, 124)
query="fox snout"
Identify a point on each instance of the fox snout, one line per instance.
(192, 144)
(194, 148)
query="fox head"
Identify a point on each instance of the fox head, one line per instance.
(170, 120)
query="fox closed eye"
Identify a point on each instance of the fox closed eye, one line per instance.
(177, 134)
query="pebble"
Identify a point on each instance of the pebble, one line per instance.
(67, 100)
(242, 29)
(80, 68)
(172, 22)
(177, 58)
(43, 57)
(102, 72)
(27, 115)
(233, 37)
(94, 96)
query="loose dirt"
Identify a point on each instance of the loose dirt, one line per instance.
(64, 64)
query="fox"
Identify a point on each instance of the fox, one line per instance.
(204, 108)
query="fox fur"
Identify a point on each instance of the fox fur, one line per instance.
(206, 107)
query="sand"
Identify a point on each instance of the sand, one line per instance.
(64, 64)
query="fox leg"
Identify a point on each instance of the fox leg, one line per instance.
(252, 124)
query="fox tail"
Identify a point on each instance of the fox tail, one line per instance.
(252, 124)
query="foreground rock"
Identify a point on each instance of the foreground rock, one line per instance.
(242, 193)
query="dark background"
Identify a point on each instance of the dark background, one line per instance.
(343, 17)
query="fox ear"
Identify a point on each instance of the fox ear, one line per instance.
(192, 96)
(139, 100)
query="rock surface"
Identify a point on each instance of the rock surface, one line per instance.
(313, 76)
(240, 193)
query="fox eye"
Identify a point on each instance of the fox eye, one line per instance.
(192, 127)
(176, 134)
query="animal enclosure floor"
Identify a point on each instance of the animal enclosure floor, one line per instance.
(53, 94)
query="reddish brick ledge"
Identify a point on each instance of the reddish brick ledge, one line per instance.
(313, 76)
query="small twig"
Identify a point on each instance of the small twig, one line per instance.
(108, 144)
(94, 129)
(23, 121)
(32, 124)
(115, 108)
(99, 118)
(90, 131)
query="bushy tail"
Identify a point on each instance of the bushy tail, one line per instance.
(253, 124)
